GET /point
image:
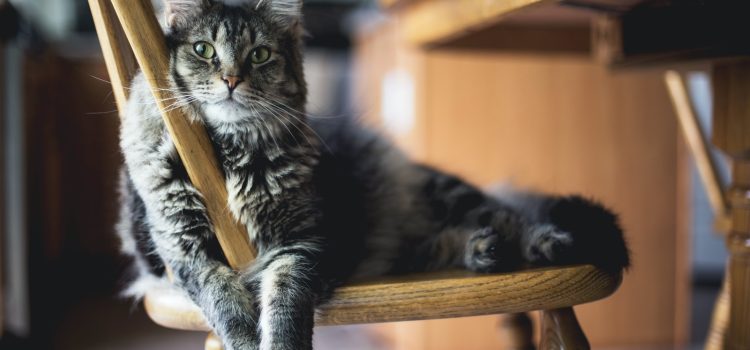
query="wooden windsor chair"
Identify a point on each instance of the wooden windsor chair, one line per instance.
(130, 37)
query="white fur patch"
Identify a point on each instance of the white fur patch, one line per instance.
(226, 112)
(269, 278)
(144, 283)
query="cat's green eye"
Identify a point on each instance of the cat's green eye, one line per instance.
(204, 49)
(260, 55)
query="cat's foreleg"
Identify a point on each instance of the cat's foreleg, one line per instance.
(181, 232)
(181, 237)
(288, 287)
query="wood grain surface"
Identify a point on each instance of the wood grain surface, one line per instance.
(191, 140)
(731, 133)
(731, 86)
(435, 21)
(717, 332)
(426, 296)
(518, 331)
(697, 142)
(561, 331)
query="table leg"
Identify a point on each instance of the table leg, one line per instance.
(738, 332)
(720, 319)
(731, 133)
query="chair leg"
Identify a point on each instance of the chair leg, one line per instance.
(213, 342)
(517, 331)
(561, 331)
(731, 84)
(720, 320)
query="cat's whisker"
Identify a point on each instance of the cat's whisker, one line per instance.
(172, 103)
(286, 116)
(129, 88)
(179, 104)
(109, 94)
(281, 122)
(176, 106)
(101, 79)
(300, 121)
(102, 113)
(270, 133)
(277, 100)
(154, 101)
(281, 118)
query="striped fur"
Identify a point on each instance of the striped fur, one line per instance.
(324, 201)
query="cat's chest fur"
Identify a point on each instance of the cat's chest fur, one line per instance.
(261, 172)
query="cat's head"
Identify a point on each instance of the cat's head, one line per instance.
(237, 59)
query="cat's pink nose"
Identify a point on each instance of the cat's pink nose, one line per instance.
(231, 81)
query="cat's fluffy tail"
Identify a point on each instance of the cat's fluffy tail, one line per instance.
(597, 235)
(598, 238)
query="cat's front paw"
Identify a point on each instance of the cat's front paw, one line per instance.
(232, 312)
(487, 251)
(240, 342)
(547, 244)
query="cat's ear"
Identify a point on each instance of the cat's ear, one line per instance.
(287, 13)
(177, 12)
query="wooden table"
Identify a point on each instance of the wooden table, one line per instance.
(627, 34)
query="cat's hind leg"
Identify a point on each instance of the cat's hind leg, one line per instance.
(506, 244)
(473, 230)
(483, 234)
(477, 249)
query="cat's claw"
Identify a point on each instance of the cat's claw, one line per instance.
(548, 244)
(481, 250)
(486, 251)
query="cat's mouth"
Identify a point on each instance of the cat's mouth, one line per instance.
(230, 102)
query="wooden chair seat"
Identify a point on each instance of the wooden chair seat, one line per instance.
(446, 294)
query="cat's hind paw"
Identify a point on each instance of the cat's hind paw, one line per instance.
(546, 244)
(487, 251)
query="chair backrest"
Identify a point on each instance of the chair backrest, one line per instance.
(117, 20)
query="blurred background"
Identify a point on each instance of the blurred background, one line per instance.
(507, 102)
